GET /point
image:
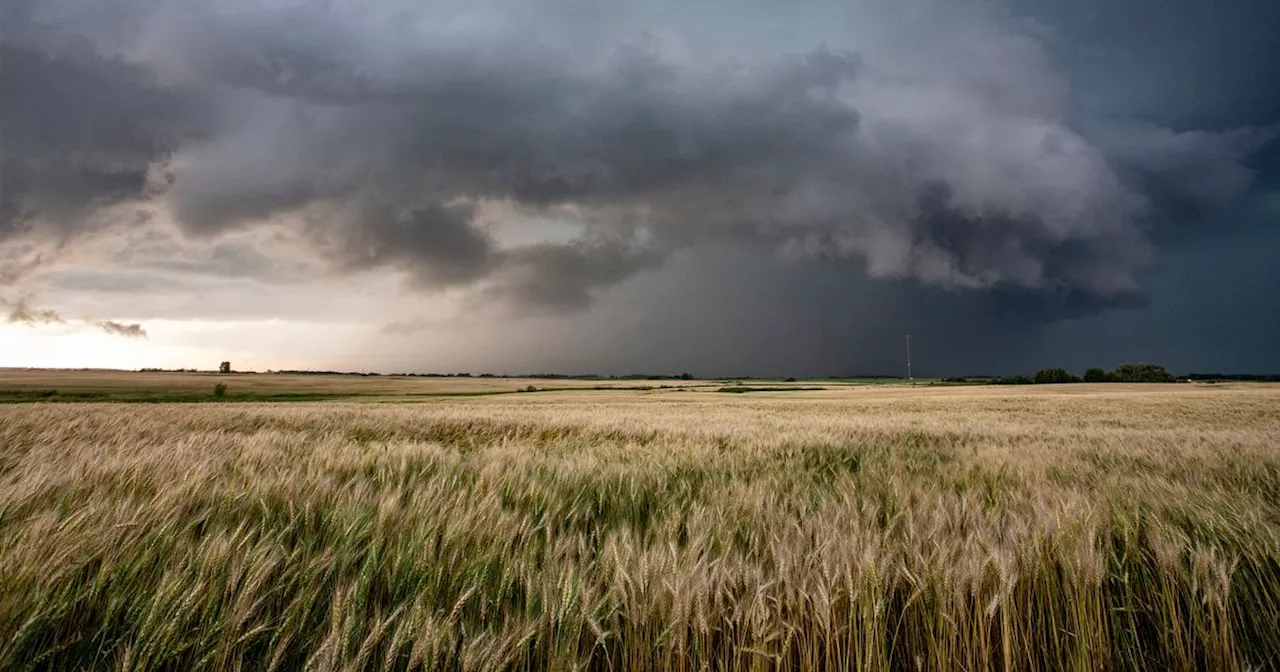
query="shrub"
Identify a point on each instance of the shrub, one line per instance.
(1013, 380)
(220, 390)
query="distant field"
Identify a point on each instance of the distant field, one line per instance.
(854, 527)
(25, 385)
(30, 384)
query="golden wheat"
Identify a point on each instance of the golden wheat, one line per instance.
(1075, 527)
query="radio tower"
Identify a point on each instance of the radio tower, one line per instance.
(909, 376)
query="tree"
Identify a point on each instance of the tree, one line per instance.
(1053, 376)
(1142, 373)
(1097, 376)
(224, 367)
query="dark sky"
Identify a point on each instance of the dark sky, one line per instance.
(716, 187)
(1215, 292)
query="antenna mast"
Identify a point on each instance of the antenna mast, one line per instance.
(909, 376)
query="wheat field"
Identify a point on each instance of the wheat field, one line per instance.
(162, 383)
(1073, 527)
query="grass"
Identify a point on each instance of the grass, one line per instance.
(187, 396)
(739, 389)
(1076, 527)
(125, 395)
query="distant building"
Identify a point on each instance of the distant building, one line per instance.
(224, 367)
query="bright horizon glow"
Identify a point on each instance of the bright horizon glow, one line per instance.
(174, 344)
(78, 345)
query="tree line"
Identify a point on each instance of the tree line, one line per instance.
(1125, 373)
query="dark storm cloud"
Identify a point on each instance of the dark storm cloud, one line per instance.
(120, 329)
(564, 277)
(738, 310)
(1187, 63)
(1186, 176)
(79, 130)
(941, 148)
(437, 244)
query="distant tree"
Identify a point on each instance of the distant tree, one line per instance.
(224, 367)
(1097, 376)
(1013, 380)
(1053, 376)
(686, 376)
(1142, 373)
(1253, 377)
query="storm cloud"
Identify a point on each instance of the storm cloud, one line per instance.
(935, 142)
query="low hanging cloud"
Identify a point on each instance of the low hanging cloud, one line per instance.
(20, 312)
(120, 329)
(940, 145)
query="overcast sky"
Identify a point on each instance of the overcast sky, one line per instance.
(719, 187)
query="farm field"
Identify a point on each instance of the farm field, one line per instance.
(863, 527)
(104, 385)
